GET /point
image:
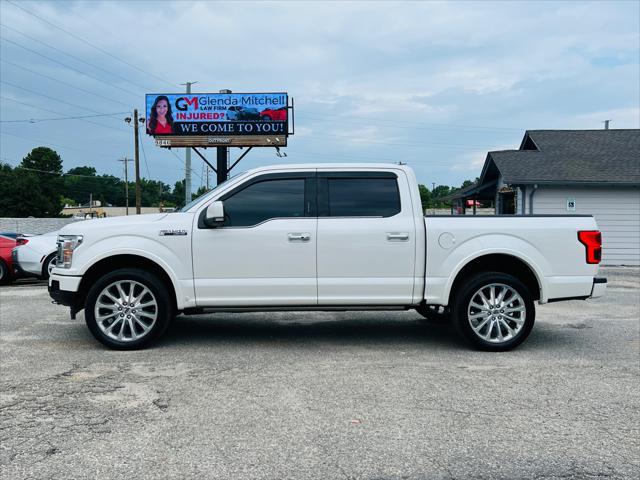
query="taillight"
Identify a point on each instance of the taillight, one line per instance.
(21, 241)
(592, 240)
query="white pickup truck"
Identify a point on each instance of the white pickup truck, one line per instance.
(323, 237)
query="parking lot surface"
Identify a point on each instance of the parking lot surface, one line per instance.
(376, 395)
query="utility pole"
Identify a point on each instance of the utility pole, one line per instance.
(187, 161)
(126, 160)
(223, 157)
(136, 156)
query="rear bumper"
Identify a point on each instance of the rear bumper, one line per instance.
(15, 265)
(599, 287)
(24, 263)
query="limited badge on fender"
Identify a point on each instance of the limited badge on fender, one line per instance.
(164, 233)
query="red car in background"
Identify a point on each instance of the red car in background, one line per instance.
(7, 243)
(274, 115)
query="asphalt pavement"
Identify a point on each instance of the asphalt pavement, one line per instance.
(374, 395)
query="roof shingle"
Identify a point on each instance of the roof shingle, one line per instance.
(572, 156)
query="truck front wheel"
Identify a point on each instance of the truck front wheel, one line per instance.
(494, 311)
(128, 309)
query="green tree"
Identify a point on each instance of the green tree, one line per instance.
(154, 192)
(83, 171)
(44, 159)
(425, 197)
(201, 191)
(81, 183)
(437, 194)
(39, 184)
(177, 196)
(23, 196)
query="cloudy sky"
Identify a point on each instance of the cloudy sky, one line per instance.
(433, 84)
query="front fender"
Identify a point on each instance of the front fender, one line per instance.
(175, 260)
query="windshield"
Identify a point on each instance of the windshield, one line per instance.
(201, 197)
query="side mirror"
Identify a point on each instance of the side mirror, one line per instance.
(214, 216)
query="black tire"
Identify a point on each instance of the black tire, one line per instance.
(434, 313)
(45, 266)
(164, 308)
(461, 307)
(5, 274)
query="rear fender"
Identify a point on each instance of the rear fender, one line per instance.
(476, 247)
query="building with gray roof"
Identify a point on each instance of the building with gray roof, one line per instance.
(593, 172)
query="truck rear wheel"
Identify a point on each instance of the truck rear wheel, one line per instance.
(128, 309)
(494, 311)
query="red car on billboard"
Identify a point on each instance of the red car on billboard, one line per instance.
(274, 115)
(7, 243)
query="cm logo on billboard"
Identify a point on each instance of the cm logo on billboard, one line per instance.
(183, 103)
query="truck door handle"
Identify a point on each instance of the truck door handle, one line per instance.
(299, 237)
(397, 237)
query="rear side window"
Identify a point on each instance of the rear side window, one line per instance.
(363, 197)
(264, 200)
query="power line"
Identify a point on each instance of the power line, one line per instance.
(87, 42)
(64, 83)
(67, 103)
(70, 67)
(144, 155)
(389, 123)
(74, 57)
(54, 112)
(292, 155)
(49, 97)
(185, 165)
(34, 120)
(46, 142)
(54, 173)
(407, 144)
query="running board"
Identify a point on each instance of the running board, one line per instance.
(313, 308)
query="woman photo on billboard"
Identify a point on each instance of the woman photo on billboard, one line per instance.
(161, 119)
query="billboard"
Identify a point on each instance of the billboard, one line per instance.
(217, 114)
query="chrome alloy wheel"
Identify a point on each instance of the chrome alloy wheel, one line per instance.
(126, 311)
(496, 313)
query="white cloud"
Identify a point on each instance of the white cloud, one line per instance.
(399, 66)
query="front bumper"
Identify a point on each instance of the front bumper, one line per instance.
(61, 297)
(64, 291)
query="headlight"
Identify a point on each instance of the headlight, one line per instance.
(66, 245)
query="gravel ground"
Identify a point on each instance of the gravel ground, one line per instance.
(322, 396)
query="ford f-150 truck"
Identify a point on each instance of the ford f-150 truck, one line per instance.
(323, 237)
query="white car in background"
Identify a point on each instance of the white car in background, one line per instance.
(35, 255)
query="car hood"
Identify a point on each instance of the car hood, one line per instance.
(77, 228)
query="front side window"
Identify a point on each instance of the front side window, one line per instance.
(363, 197)
(264, 200)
